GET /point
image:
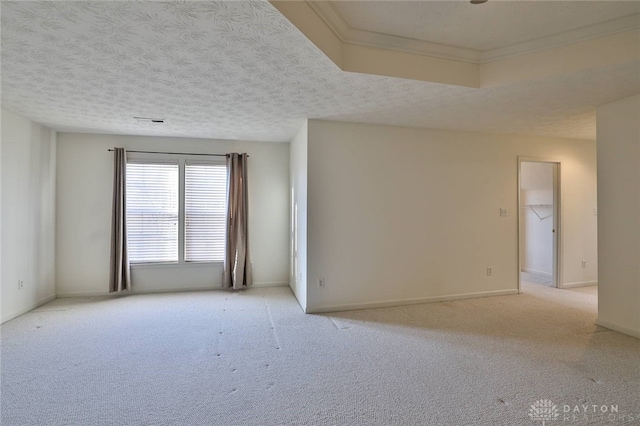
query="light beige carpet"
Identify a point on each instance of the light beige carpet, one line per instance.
(253, 358)
(534, 278)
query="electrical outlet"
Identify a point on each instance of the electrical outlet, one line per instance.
(20, 284)
(584, 263)
(489, 272)
(503, 212)
(321, 282)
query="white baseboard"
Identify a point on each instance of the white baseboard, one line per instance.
(166, 290)
(619, 329)
(534, 271)
(292, 287)
(132, 292)
(271, 284)
(399, 302)
(160, 290)
(86, 294)
(28, 308)
(579, 284)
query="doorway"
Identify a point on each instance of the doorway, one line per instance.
(538, 224)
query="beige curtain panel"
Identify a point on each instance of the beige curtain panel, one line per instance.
(237, 272)
(120, 277)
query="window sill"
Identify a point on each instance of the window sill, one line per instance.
(175, 265)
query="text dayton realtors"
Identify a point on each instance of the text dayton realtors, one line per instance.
(594, 411)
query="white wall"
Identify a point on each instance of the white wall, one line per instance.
(1, 222)
(401, 215)
(537, 240)
(85, 173)
(28, 214)
(618, 130)
(298, 272)
(536, 189)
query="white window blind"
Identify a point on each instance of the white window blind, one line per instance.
(152, 212)
(205, 212)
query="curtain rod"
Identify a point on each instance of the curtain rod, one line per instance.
(176, 153)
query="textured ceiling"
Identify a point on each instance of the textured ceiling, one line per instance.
(492, 25)
(240, 70)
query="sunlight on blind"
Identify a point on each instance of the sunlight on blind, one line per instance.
(152, 212)
(205, 212)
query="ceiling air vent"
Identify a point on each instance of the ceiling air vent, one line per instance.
(149, 120)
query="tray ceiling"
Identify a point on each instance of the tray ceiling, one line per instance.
(241, 70)
(493, 25)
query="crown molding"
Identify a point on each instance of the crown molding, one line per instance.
(409, 45)
(328, 14)
(590, 32)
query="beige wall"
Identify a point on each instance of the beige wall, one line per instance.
(618, 127)
(401, 215)
(298, 277)
(85, 173)
(28, 214)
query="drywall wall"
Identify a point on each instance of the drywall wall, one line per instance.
(28, 214)
(537, 236)
(85, 173)
(402, 215)
(1, 222)
(536, 214)
(298, 231)
(618, 133)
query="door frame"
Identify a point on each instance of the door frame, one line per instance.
(557, 266)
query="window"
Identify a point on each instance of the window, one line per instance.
(152, 212)
(176, 211)
(205, 212)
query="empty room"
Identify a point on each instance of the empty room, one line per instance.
(320, 212)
